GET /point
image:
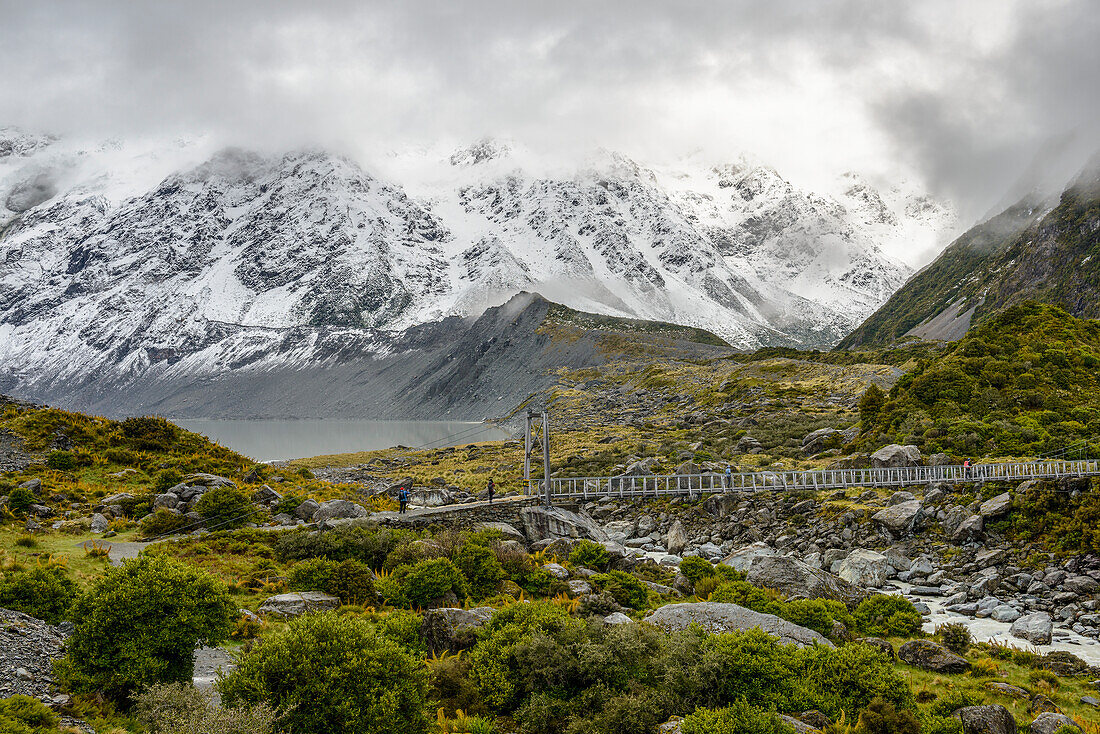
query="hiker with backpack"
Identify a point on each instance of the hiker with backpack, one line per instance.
(492, 490)
(403, 499)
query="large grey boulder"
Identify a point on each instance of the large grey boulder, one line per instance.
(541, 523)
(435, 497)
(895, 456)
(452, 629)
(864, 568)
(676, 539)
(298, 603)
(305, 510)
(927, 655)
(968, 530)
(208, 480)
(1036, 628)
(996, 507)
(100, 524)
(899, 519)
(741, 560)
(821, 440)
(994, 719)
(1048, 723)
(715, 618)
(796, 580)
(509, 532)
(339, 510)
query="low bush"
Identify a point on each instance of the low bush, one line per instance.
(180, 708)
(626, 589)
(20, 500)
(590, 555)
(430, 580)
(331, 673)
(164, 522)
(350, 580)
(139, 624)
(165, 479)
(368, 544)
(43, 592)
(61, 461)
(25, 715)
(225, 508)
(955, 636)
(881, 717)
(738, 718)
(884, 615)
(706, 586)
(697, 569)
(481, 568)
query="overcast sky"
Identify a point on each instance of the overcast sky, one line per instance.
(960, 94)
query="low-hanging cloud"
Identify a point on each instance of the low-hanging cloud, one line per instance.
(962, 95)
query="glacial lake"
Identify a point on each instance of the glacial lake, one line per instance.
(279, 439)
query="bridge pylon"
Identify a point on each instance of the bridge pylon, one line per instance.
(538, 430)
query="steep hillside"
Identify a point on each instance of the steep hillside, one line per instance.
(1030, 251)
(1022, 383)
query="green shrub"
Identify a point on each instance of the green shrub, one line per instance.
(696, 568)
(738, 718)
(331, 673)
(627, 590)
(43, 592)
(431, 579)
(164, 522)
(150, 433)
(590, 555)
(165, 479)
(481, 568)
(122, 456)
(368, 544)
(139, 624)
(881, 717)
(20, 500)
(25, 715)
(225, 508)
(955, 636)
(61, 461)
(350, 580)
(180, 708)
(885, 615)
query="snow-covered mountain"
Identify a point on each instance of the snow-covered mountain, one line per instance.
(127, 257)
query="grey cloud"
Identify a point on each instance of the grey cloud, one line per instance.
(965, 95)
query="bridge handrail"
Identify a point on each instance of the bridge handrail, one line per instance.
(810, 479)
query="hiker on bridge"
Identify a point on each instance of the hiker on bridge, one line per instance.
(966, 468)
(729, 476)
(492, 489)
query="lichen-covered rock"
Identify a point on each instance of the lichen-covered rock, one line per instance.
(1050, 722)
(452, 629)
(298, 603)
(1036, 628)
(540, 523)
(339, 510)
(796, 580)
(895, 456)
(993, 719)
(899, 519)
(741, 560)
(864, 568)
(927, 655)
(717, 617)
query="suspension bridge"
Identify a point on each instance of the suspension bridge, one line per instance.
(586, 488)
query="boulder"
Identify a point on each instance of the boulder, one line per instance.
(116, 499)
(509, 532)
(299, 602)
(579, 587)
(796, 580)
(1049, 722)
(1036, 628)
(1005, 613)
(208, 480)
(898, 519)
(1081, 585)
(540, 523)
(821, 440)
(434, 497)
(556, 570)
(339, 510)
(880, 644)
(645, 525)
(969, 529)
(741, 560)
(894, 456)
(1064, 663)
(266, 495)
(993, 719)
(898, 498)
(864, 568)
(167, 501)
(798, 727)
(100, 524)
(305, 510)
(676, 539)
(1007, 689)
(996, 507)
(927, 655)
(716, 618)
(451, 629)
(616, 618)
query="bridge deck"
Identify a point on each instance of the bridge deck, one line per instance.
(682, 484)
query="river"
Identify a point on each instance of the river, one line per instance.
(280, 439)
